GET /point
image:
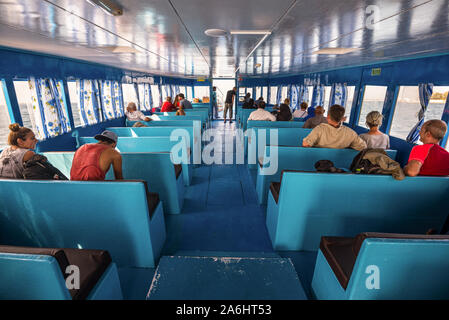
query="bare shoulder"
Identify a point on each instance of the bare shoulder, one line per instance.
(28, 155)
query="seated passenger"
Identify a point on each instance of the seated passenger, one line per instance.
(310, 113)
(429, 159)
(334, 134)
(176, 103)
(184, 103)
(21, 142)
(92, 161)
(261, 115)
(374, 138)
(180, 111)
(284, 113)
(316, 120)
(247, 97)
(301, 113)
(249, 104)
(133, 115)
(168, 106)
(258, 101)
(139, 124)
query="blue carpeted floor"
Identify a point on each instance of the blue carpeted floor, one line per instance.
(221, 214)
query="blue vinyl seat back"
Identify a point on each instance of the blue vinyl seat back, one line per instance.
(298, 158)
(106, 215)
(285, 137)
(193, 133)
(155, 168)
(274, 124)
(169, 119)
(31, 277)
(165, 123)
(421, 264)
(312, 205)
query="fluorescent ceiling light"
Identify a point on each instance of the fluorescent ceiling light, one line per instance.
(335, 50)
(119, 49)
(215, 32)
(250, 32)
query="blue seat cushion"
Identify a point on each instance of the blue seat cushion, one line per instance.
(91, 263)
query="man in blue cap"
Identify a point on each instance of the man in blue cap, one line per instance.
(93, 160)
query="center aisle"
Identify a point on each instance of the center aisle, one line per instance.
(220, 209)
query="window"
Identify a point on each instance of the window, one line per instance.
(273, 94)
(258, 93)
(24, 99)
(182, 89)
(408, 106)
(265, 93)
(242, 93)
(284, 94)
(310, 97)
(4, 119)
(189, 95)
(349, 101)
(201, 91)
(155, 95)
(129, 94)
(74, 101)
(327, 99)
(373, 100)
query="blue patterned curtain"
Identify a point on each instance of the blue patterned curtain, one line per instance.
(111, 99)
(425, 93)
(136, 89)
(339, 94)
(279, 95)
(318, 95)
(89, 102)
(146, 98)
(49, 110)
(295, 97)
(304, 94)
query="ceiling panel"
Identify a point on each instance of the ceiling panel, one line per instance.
(168, 35)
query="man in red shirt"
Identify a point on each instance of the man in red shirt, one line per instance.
(429, 159)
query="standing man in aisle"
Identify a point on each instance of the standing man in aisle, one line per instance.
(214, 102)
(229, 102)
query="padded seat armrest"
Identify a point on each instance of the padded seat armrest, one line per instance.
(340, 257)
(92, 264)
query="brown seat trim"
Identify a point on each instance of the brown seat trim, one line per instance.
(178, 170)
(275, 188)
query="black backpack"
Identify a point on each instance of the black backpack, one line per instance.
(38, 168)
(364, 166)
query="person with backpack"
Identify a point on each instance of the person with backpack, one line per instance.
(22, 141)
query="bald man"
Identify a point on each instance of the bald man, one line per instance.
(317, 119)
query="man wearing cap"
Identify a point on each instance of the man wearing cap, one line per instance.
(374, 138)
(92, 161)
(316, 120)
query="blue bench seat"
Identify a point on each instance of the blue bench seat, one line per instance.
(296, 158)
(40, 273)
(155, 144)
(376, 266)
(162, 176)
(121, 217)
(311, 205)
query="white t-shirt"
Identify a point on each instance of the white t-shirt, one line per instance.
(261, 115)
(135, 116)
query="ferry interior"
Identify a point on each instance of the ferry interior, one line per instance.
(222, 210)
